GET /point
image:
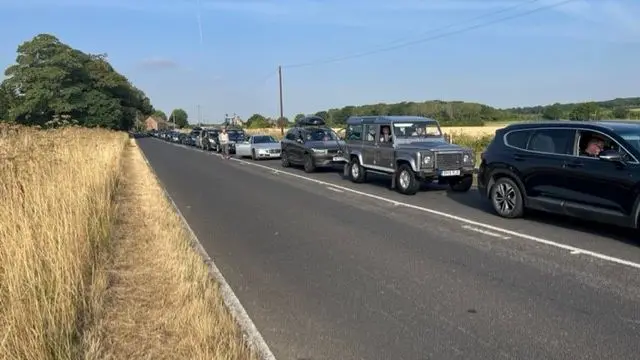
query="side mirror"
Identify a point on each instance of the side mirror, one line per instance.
(611, 155)
(299, 140)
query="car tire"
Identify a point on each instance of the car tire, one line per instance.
(506, 198)
(406, 181)
(284, 159)
(253, 155)
(309, 166)
(461, 185)
(357, 173)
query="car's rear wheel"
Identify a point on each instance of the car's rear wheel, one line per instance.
(506, 198)
(357, 173)
(406, 181)
(309, 166)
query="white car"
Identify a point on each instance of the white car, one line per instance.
(259, 147)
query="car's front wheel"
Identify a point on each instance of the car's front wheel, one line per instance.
(284, 159)
(506, 198)
(406, 180)
(253, 155)
(309, 166)
(356, 171)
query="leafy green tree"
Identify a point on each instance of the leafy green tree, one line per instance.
(179, 117)
(553, 112)
(257, 121)
(51, 81)
(621, 113)
(160, 115)
(585, 111)
(298, 117)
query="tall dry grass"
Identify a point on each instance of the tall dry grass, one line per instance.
(56, 191)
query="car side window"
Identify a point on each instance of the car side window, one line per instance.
(291, 135)
(607, 142)
(354, 132)
(370, 132)
(518, 138)
(552, 141)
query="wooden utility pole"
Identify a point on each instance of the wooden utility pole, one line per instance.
(281, 120)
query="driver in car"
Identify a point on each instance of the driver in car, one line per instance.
(594, 147)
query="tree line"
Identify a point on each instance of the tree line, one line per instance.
(52, 83)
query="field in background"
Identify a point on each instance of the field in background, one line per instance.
(60, 203)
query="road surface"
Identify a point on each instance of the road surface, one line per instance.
(326, 273)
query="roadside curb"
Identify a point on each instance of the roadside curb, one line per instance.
(250, 332)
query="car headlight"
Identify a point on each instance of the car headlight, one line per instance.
(468, 158)
(426, 159)
(263, 151)
(319, 151)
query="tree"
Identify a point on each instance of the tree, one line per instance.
(179, 117)
(52, 81)
(553, 112)
(160, 115)
(298, 117)
(257, 121)
(585, 111)
(621, 113)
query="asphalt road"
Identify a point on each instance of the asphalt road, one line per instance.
(329, 274)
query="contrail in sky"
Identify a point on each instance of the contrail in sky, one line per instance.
(200, 25)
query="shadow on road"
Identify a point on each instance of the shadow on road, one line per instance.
(627, 236)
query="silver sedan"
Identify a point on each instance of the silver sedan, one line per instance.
(259, 147)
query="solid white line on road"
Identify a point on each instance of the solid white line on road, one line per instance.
(572, 249)
(334, 189)
(485, 232)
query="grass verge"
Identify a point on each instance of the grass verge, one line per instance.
(94, 263)
(161, 303)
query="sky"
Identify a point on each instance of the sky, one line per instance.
(217, 57)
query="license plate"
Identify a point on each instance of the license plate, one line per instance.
(450, 173)
(338, 158)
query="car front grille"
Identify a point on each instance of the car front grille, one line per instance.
(448, 161)
(274, 151)
(332, 151)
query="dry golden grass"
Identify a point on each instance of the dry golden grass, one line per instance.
(93, 262)
(56, 189)
(162, 303)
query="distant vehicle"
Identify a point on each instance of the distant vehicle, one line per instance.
(589, 170)
(259, 146)
(411, 149)
(235, 136)
(312, 144)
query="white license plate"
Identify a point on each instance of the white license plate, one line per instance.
(450, 173)
(338, 158)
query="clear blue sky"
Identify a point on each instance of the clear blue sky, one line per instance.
(586, 50)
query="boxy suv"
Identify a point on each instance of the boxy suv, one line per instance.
(409, 148)
(588, 170)
(312, 144)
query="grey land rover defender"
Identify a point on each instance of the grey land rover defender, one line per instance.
(411, 149)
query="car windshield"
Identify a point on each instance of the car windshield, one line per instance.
(320, 135)
(632, 138)
(416, 129)
(264, 139)
(235, 133)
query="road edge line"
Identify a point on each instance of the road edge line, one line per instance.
(249, 330)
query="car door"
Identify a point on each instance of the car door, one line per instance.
(298, 147)
(369, 144)
(384, 152)
(243, 148)
(597, 187)
(542, 166)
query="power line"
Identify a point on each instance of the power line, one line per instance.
(430, 38)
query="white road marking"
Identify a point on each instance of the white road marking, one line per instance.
(485, 232)
(572, 249)
(334, 189)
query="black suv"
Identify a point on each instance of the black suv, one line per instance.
(588, 170)
(312, 144)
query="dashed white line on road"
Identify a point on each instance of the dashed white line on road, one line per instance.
(334, 189)
(485, 232)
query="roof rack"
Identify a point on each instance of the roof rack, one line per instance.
(311, 121)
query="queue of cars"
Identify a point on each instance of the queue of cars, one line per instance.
(589, 170)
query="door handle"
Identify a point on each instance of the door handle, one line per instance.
(573, 164)
(518, 157)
